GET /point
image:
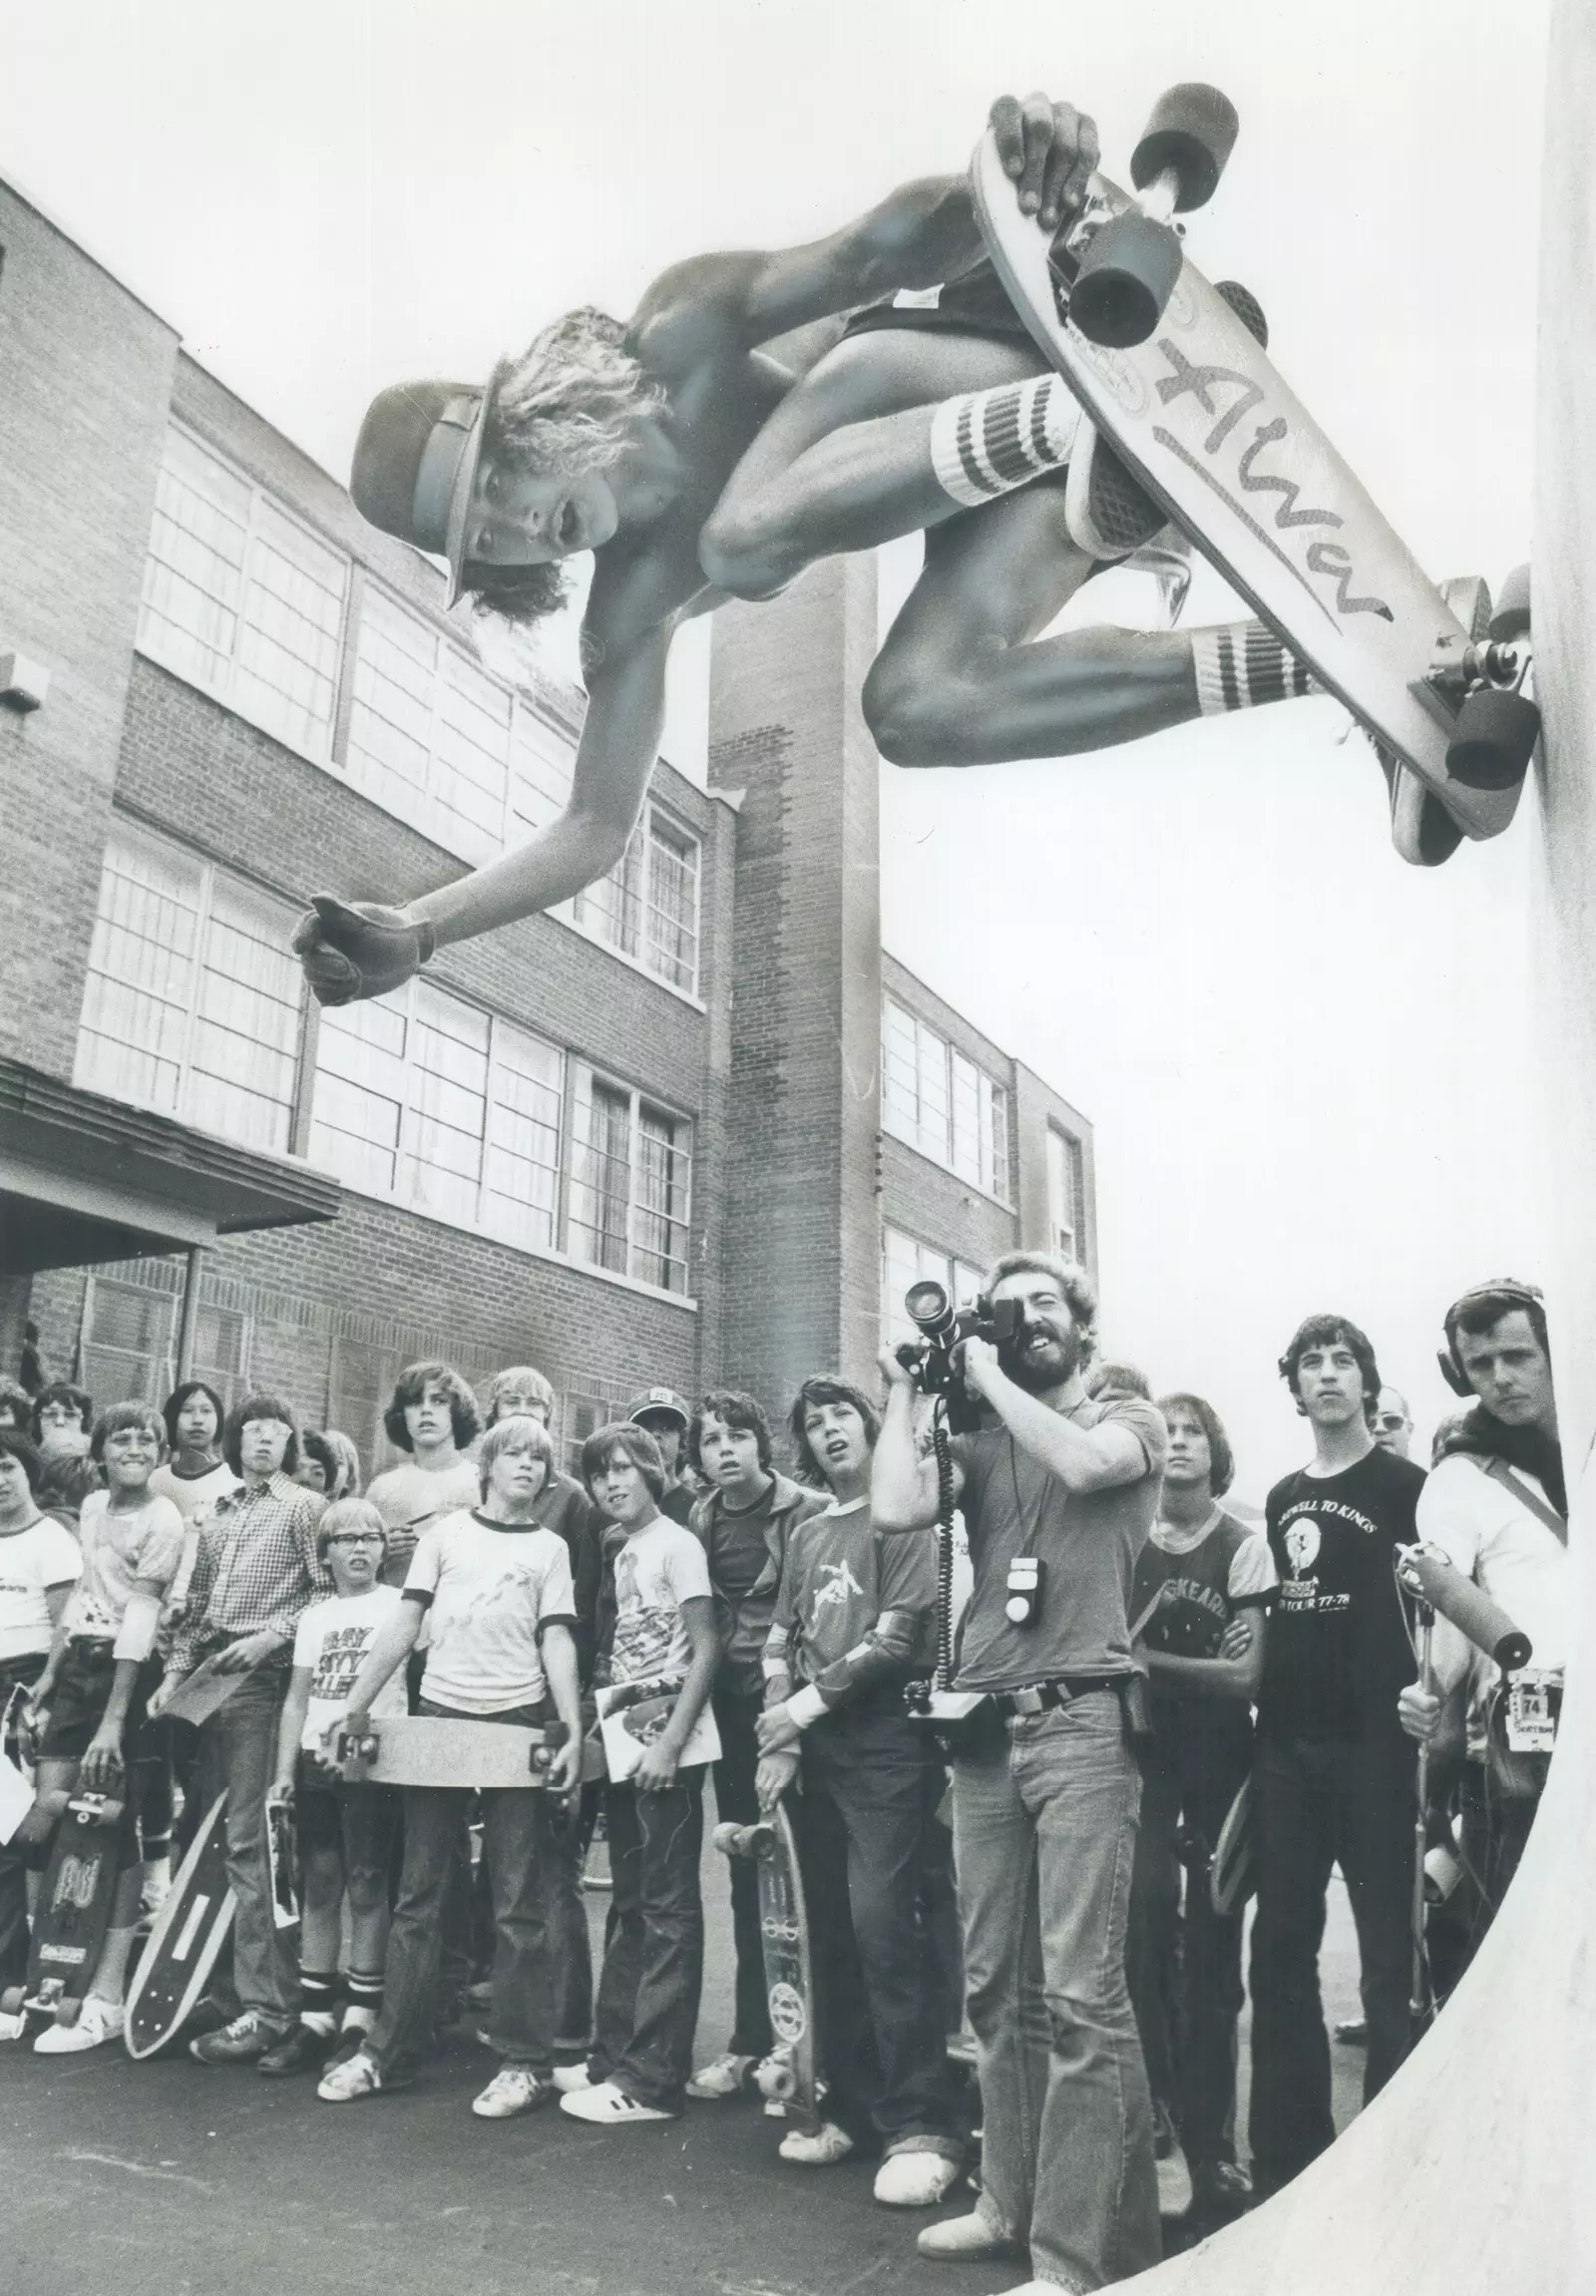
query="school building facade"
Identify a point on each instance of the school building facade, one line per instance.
(695, 1127)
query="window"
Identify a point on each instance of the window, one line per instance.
(130, 1339)
(631, 1184)
(940, 1102)
(241, 600)
(191, 1003)
(429, 732)
(1066, 1194)
(582, 1411)
(904, 1261)
(424, 1098)
(648, 906)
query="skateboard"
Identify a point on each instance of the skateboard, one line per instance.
(282, 1862)
(188, 1935)
(1201, 422)
(790, 2073)
(73, 1913)
(442, 1750)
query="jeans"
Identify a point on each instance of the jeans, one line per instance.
(239, 1750)
(1321, 1805)
(1184, 1964)
(16, 1673)
(869, 1795)
(647, 2007)
(737, 1803)
(1045, 1828)
(565, 1915)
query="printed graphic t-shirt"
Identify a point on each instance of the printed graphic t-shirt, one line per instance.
(838, 1578)
(658, 1569)
(45, 1555)
(1338, 1651)
(1088, 1542)
(126, 1552)
(492, 1590)
(333, 1638)
(1201, 1584)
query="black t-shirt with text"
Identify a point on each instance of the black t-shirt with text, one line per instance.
(1338, 1651)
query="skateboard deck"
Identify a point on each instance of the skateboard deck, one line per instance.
(282, 1862)
(791, 2072)
(74, 1909)
(1200, 418)
(442, 1750)
(184, 1944)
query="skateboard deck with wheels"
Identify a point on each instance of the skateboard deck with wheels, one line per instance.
(444, 1751)
(1202, 420)
(73, 1912)
(195, 1916)
(791, 2071)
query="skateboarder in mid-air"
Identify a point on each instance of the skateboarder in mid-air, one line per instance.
(760, 412)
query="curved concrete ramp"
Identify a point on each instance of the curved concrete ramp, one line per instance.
(1470, 2170)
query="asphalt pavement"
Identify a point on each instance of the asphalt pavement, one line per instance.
(175, 2179)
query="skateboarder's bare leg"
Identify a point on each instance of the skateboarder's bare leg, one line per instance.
(963, 678)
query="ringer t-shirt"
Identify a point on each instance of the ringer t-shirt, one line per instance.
(492, 1590)
(32, 1562)
(127, 1552)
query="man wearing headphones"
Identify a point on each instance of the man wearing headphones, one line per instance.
(1496, 1505)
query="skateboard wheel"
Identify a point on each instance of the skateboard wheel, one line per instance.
(1494, 741)
(1126, 276)
(1192, 130)
(728, 1839)
(776, 2081)
(1511, 618)
(1247, 308)
(11, 2000)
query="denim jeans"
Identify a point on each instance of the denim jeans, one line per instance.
(870, 1790)
(1319, 1804)
(520, 2027)
(647, 2008)
(737, 1803)
(1046, 1831)
(1184, 1962)
(239, 1750)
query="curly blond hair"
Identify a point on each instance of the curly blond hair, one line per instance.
(568, 402)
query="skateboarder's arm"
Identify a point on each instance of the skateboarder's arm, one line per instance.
(1226, 1676)
(290, 1730)
(558, 1651)
(659, 1764)
(392, 1643)
(903, 1485)
(614, 758)
(103, 1762)
(56, 1600)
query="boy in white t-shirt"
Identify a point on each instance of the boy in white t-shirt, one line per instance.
(346, 1832)
(40, 1562)
(664, 1635)
(496, 1588)
(89, 1700)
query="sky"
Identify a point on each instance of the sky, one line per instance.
(1307, 1063)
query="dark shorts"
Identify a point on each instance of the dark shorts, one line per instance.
(81, 1694)
(359, 1822)
(973, 305)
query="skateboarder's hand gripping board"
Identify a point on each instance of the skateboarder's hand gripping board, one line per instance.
(1049, 150)
(775, 1773)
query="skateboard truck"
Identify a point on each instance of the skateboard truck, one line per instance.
(1128, 266)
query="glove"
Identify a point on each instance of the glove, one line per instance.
(355, 948)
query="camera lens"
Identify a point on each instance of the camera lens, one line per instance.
(928, 1309)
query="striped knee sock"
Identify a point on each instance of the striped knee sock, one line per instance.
(318, 2000)
(364, 1991)
(1240, 664)
(987, 443)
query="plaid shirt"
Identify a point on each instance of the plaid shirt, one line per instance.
(256, 1567)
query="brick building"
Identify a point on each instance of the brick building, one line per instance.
(695, 1126)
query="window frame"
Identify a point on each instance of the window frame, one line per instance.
(1073, 1150)
(134, 835)
(994, 1105)
(637, 1102)
(223, 691)
(946, 1271)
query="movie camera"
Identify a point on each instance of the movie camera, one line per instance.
(936, 1358)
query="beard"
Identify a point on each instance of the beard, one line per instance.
(1036, 1373)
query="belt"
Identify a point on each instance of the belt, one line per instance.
(1045, 1698)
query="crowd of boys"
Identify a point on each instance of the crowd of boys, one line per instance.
(1139, 1663)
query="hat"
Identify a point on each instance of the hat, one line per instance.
(415, 466)
(659, 1400)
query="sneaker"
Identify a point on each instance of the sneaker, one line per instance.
(1352, 2032)
(302, 2050)
(357, 2076)
(13, 2024)
(823, 2150)
(727, 2076)
(965, 2240)
(98, 2022)
(602, 2101)
(242, 2041)
(513, 2089)
(1174, 2183)
(915, 2178)
(570, 2077)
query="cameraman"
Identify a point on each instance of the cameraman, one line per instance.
(1046, 1799)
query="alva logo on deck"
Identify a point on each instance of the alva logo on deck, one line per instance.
(1246, 458)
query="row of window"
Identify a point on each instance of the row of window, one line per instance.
(191, 1006)
(939, 1101)
(906, 1261)
(128, 1354)
(242, 600)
